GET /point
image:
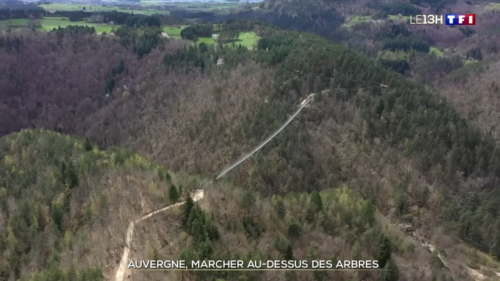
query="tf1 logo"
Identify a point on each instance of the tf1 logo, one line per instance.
(458, 19)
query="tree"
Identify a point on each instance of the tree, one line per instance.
(87, 145)
(187, 210)
(57, 215)
(390, 272)
(317, 85)
(71, 175)
(288, 255)
(247, 202)
(294, 229)
(279, 207)
(316, 201)
(384, 251)
(368, 210)
(173, 194)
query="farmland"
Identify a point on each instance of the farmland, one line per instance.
(173, 31)
(357, 19)
(492, 6)
(200, 6)
(247, 39)
(244, 40)
(97, 8)
(147, 7)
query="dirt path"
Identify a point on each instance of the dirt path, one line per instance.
(122, 270)
(475, 274)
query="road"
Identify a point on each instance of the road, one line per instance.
(199, 194)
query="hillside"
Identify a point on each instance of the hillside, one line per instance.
(79, 199)
(65, 204)
(369, 129)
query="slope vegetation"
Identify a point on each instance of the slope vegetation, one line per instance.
(65, 205)
(369, 129)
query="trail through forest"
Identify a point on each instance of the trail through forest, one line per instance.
(475, 274)
(199, 194)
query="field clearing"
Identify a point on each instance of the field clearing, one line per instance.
(242, 40)
(207, 6)
(492, 6)
(96, 8)
(352, 21)
(395, 55)
(13, 22)
(395, 17)
(173, 31)
(50, 23)
(436, 51)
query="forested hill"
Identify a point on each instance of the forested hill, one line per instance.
(369, 128)
(65, 204)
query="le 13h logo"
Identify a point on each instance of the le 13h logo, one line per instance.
(458, 19)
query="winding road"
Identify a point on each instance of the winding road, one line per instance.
(199, 194)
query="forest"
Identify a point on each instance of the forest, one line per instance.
(373, 145)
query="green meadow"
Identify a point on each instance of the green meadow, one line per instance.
(436, 51)
(173, 31)
(49, 23)
(244, 40)
(15, 22)
(395, 17)
(207, 6)
(492, 6)
(352, 21)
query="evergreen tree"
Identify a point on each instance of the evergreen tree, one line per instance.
(173, 194)
(279, 207)
(317, 86)
(368, 210)
(495, 242)
(294, 229)
(188, 206)
(71, 175)
(248, 201)
(57, 215)
(390, 272)
(87, 145)
(63, 172)
(288, 255)
(316, 201)
(384, 251)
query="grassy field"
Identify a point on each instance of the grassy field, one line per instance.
(492, 6)
(395, 17)
(242, 39)
(54, 22)
(92, 8)
(173, 31)
(49, 23)
(203, 6)
(395, 55)
(15, 22)
(352, 21)
(436, 51)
